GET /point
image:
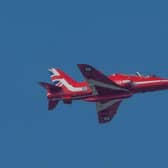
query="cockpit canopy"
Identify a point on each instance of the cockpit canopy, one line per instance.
(151, 75)
(138, 74)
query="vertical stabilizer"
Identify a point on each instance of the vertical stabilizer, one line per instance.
(62, 80)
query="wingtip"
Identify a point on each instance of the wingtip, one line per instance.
(80, 65)
(85, 68)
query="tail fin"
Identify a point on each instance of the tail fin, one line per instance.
(50, 89)
(62, 80)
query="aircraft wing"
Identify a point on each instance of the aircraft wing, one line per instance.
(107, 110)
(100, 83)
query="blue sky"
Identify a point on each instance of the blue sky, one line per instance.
(112, 36)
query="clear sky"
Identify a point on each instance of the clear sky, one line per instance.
(123, 36)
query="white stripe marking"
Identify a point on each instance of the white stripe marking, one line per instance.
(149, 82)
(54, 71)
(68, 86)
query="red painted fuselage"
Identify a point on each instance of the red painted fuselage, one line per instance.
(134, 83)
(106, 91)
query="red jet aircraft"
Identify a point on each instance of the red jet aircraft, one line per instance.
(107, 91)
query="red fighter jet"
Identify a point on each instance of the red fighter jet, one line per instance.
(106, 91)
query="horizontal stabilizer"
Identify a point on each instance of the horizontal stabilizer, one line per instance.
(50, 87)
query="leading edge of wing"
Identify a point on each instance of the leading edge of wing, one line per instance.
(90, 72)
(98, 81)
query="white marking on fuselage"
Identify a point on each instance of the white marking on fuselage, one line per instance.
(149, 82)
(70, 87)
(54, 71)
(92, 84)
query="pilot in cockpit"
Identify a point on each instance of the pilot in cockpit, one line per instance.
(138, 74)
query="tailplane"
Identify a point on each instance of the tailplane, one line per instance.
(49, 87)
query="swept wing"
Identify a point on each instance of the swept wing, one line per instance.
(102, 85)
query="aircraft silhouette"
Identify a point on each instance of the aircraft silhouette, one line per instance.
(106, 91)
